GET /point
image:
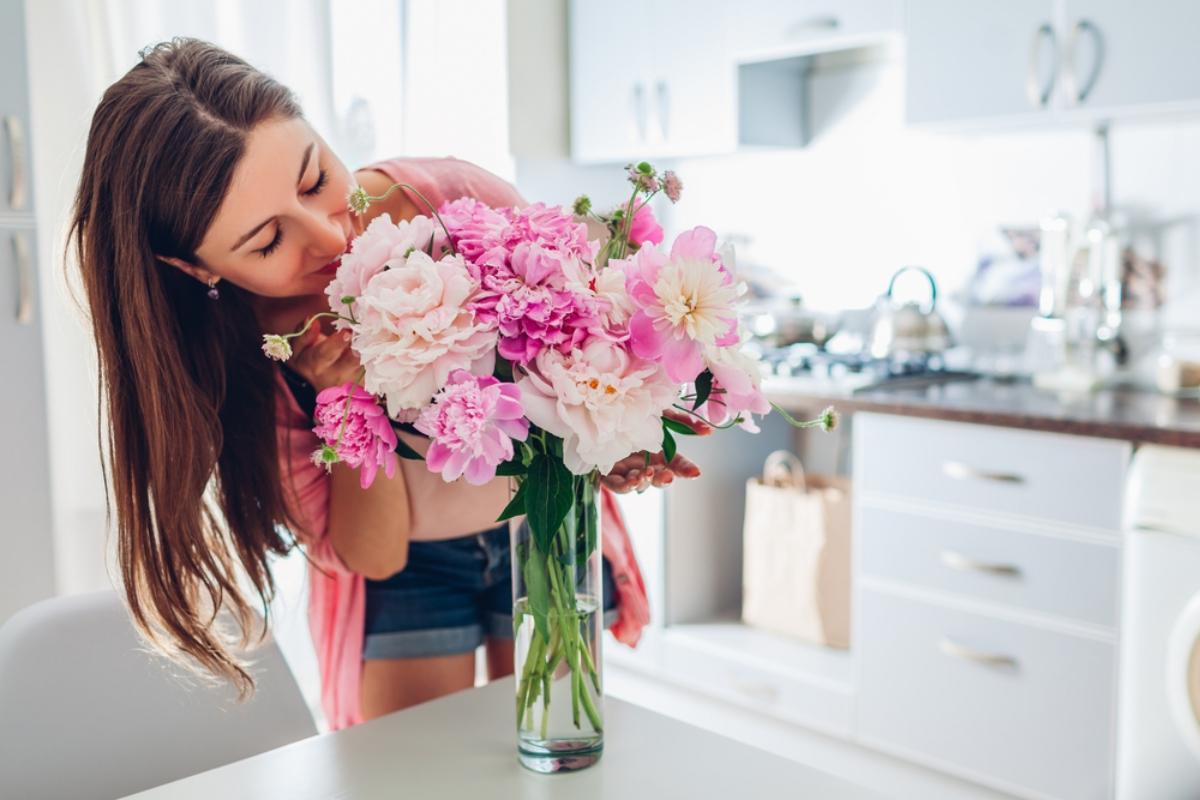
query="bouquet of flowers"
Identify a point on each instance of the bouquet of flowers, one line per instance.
(523, 346)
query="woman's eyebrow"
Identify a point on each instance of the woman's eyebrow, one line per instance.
(253, 231)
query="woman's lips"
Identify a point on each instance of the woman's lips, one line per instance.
(331, 267)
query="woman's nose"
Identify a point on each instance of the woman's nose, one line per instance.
(329, 234)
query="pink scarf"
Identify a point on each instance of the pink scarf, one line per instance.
(337, 596)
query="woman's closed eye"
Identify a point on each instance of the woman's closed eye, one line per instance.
(274, 243)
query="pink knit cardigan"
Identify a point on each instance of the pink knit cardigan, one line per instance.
(337, 595)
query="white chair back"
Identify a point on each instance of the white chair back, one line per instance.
(86, 710)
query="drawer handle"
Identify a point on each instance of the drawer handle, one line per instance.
(964, 563)
(964, 472)
(24, 279)
(18, 194)
(956, 650)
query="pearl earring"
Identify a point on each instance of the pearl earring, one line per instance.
(213, 294)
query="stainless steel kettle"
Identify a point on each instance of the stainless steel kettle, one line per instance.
(908, 330)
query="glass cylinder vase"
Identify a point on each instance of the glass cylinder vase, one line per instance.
(557, 626)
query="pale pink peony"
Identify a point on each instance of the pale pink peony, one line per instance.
(367, 440)
(416, 327)
(383, 244)
(645, 228)
(685, 303)
(472, 422)
(603, 401)
(736, 389)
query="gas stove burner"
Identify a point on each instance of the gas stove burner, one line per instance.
(858, 373)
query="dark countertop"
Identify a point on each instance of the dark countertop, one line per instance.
(1129, 414)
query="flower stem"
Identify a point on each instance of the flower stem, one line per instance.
(429, 205)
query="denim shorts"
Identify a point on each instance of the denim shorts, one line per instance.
(451, 595)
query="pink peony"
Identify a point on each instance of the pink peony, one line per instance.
(603, 401)
(367, 441)
(475, 227)
(549, 226)
(529, 300)
(416, 327)
(381, 245)
(736, 388)
(472, 422)
(685, 303)
(645, 228)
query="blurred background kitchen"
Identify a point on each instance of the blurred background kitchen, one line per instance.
(973, 227)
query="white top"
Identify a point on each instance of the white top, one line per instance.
(465, 746)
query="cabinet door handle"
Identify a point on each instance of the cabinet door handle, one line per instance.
(18, 191)
(662, 94)
(24, 264)
(1036, 90)
(962, 563)
(1079, 91)
(955, 650)
(964, 472)
(637, 106)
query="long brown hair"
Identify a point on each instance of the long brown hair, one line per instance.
(190, 439)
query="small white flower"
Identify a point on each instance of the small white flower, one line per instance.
(325, 457)
(358, 200)
(276, 347)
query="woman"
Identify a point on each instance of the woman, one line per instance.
(207, 214)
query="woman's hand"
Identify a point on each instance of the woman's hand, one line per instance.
(634, 474)
(324, 360)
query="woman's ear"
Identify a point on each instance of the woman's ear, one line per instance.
(199, 273)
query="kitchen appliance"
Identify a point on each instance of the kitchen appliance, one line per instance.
(908, 329)
(1159, 733)
(785, 321)
(818, 370)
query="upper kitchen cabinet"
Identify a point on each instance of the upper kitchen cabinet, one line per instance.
(650, 78)
(673, 78)
(15, 185)
(1131, 57)
(1049, 61)
(970, 61)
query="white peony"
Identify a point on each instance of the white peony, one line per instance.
(416, 327)
(604, 402)
(382, 245)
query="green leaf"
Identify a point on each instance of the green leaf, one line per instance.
(549, 499)
(668, 446)
(511, 469)
(516, 506)
(537, 588)
(677, 426)
(703, 388)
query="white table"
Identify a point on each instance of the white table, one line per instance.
(464, 746)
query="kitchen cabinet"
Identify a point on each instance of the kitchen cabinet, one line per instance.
(1048, 61)
(705, 77)
(649, 78)
(987, 569)
(16, 198)
(27, 570)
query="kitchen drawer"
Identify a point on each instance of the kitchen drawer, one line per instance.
(1055, 477)
(1073, 579)
(1014, 705)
